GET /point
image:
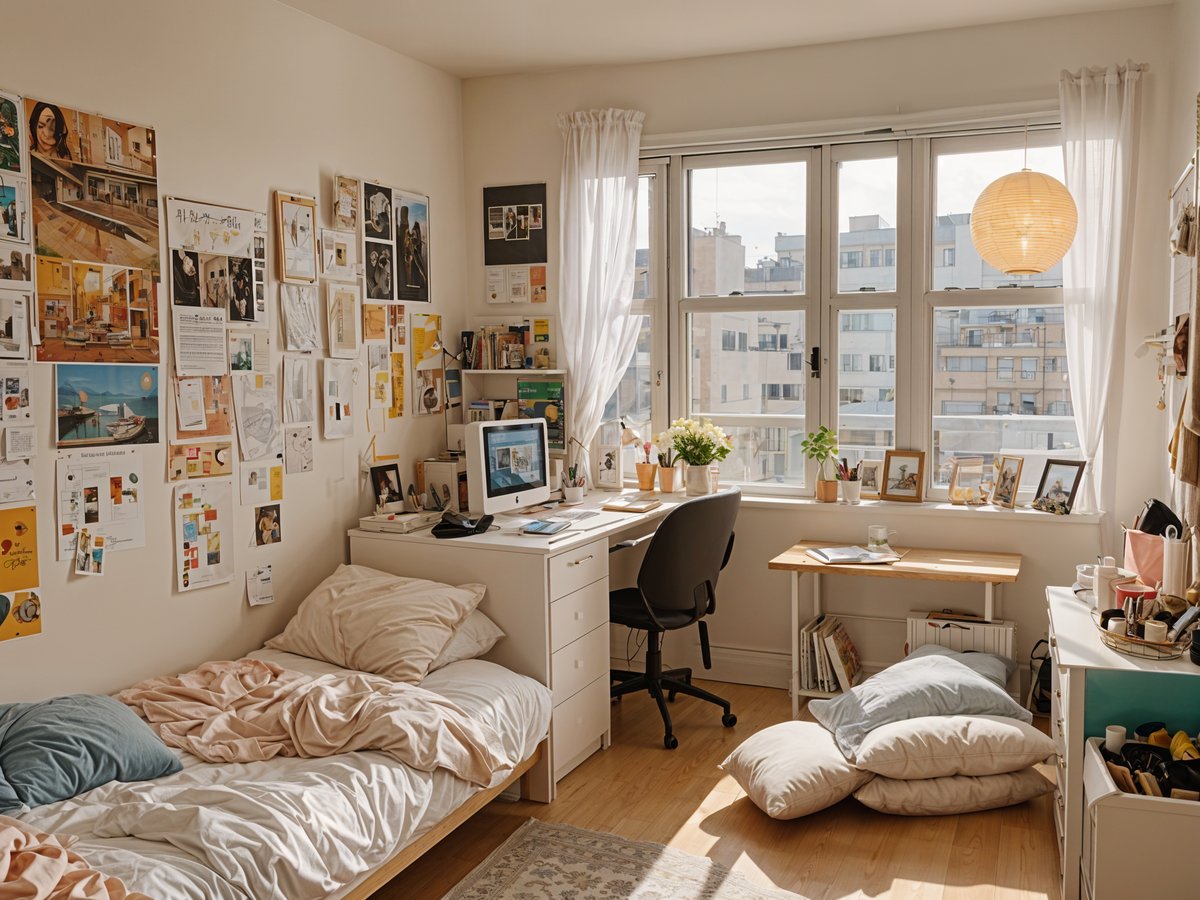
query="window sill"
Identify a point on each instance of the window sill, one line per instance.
(892, 507)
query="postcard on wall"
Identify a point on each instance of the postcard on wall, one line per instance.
(95, 313)
(268, 524)
(412, 246)
(338, 379)
(375, 323)
(339, 254)
(89, 553)
(256, 405)
(261, 482)
(345, 202)
(100, 489)
(20, 591)
(377, 211)
(203, 407)
(342, 302)
(243, 310)
(299, 389)
(378, 268)
(259, 589)
(208, 228)
(518, 284)
(379, 376)
(397, 326)
(296, 237)
(203, 533)
(301, 320)
(16, 480)
(298, 448)
(15, 220)
(199, 341)
(14, 324)
(201, 459)
(15, 380)
(249, 350)
(105, 405)
(496, 279)
(396, 410)
(16, 267)
(537, 284)
(20, 442)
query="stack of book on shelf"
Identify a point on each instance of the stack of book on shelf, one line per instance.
(829, 660)
(528, 344)
(492, 410)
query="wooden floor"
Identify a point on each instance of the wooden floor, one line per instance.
(641, 791)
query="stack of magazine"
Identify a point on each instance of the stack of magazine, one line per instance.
(829, 660)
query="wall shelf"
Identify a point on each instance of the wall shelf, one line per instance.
(514, 371)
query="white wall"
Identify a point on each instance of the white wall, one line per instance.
(1185, 83)
(246, 96)
(511, 136)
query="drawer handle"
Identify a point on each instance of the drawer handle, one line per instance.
(581, 560)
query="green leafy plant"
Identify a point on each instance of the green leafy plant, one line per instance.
(821, 446)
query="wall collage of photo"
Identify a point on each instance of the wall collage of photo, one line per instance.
(80, 274)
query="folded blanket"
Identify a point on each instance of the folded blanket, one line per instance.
(247, 709)
(36, 866)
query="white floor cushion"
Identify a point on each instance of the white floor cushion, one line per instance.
(793, 769)
(940, 746)
(953, 795)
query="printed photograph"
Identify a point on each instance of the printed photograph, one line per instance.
(267, 525)
(241, 290)
(16, 265)
(429, 391)
(214, 281)
(185, 278)
(379, 271)
(495, 220)
(10, 132)
(345, 203)
(412, 246)
(101, 405)
(385, 480)
(14, 214)
(377, 211)
(903, 475)
(260, 246)
(1007, 480)
(241, 352)
(374, 322)
(1060, 481)
(92, 313)
(94, 187)
(868, 474)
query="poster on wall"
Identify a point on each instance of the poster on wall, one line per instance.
(514, 225)
(203, 513)
(105, 405)
(100, 490)
(428, 369)
(20, 591)
(395, 243)
(412, 246)
(94, 195)
(212, 259)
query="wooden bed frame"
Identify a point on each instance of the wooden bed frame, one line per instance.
(409, 854)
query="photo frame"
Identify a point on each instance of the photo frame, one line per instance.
(966, 481)
(608, 457)
(386, 487)
(903, 476)
(342, 302)
(296, 237)
(1007, 480)
(1058, 486)
(870, 475)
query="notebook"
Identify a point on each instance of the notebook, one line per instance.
(835, 556)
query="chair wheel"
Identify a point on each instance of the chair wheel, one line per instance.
(670, 742)
(670, 696)
(729, 720)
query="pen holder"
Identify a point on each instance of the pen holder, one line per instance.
(572, 494)
(852, 492)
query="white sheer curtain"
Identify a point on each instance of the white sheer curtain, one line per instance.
(598, 238)
(1100, 150)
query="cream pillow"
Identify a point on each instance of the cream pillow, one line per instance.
(940, 746)
(364, 619)
(474, 637)
(793, 769)
(953, 795)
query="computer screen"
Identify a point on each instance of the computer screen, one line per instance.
(515, 458)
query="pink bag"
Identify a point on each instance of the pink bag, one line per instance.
(1144, 556)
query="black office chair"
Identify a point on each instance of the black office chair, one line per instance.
(676, 587)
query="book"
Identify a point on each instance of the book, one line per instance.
(841, 556)
(632, 504)
(844, 656)
(543, 399)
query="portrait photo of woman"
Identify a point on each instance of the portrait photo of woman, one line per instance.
(48, 131)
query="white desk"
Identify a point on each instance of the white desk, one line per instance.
(550, 595)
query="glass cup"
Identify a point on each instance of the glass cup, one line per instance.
(877, 537)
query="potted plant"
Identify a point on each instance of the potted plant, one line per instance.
(699, 444)
(646, 469)
(821, 446)
(664, 443)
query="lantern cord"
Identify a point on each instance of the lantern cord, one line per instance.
(1026, 166)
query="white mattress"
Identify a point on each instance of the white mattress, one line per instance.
(293, 828)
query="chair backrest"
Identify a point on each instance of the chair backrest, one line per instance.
(685, 556)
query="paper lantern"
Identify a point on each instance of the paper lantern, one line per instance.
(1023, 223)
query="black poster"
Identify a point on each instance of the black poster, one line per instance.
(514, 225)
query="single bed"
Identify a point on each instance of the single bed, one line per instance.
(339, 826)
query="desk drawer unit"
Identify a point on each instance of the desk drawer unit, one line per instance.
(574, 569)
(578, 664)
(576, 614)
(579, 725)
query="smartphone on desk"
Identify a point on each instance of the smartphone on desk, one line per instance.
(542, 528)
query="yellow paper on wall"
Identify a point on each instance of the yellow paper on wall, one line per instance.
(20, 595)
(276, 482)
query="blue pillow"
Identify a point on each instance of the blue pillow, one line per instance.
(61, 747)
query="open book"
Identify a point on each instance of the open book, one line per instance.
(835, 556)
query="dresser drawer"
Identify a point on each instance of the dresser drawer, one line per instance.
(578, 568)
(578, 725)
(576, 614)
(579, 663)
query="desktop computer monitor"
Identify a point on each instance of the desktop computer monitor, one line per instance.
(508, 465)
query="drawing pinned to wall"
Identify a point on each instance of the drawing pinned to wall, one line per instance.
(339, 254)
(338, 377)
(103, 405)
(298, 448)
(14, 324)
(428, 368)
(209, 228)
(262, 482)
(200, 459)
(16, 480)
(296, 237)
(379, 376)
(412, 246)
(375, 323)
(256, 405)
(203, 513)
(100, 489)
(341, 303)
(301, 318)
(204, 407)
(20, 591)
(345, 202)
(299, 389)
(514, 225)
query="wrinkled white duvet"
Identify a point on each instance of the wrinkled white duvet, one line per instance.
(294, 828)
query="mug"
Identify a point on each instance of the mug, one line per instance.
(1114, 738)
(877, 536)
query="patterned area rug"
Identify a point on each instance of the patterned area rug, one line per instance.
(545, 860)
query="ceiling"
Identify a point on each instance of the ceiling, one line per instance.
(470, 39)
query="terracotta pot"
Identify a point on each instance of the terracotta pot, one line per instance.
(645, 475)
(666, 479)
(827, 491)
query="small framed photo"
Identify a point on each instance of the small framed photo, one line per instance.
(903, 476)
(966, 481)
(1007, 480)
(869, 473)
(1060, 481)
(296, 237)
(608, 457)
(386, 486)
